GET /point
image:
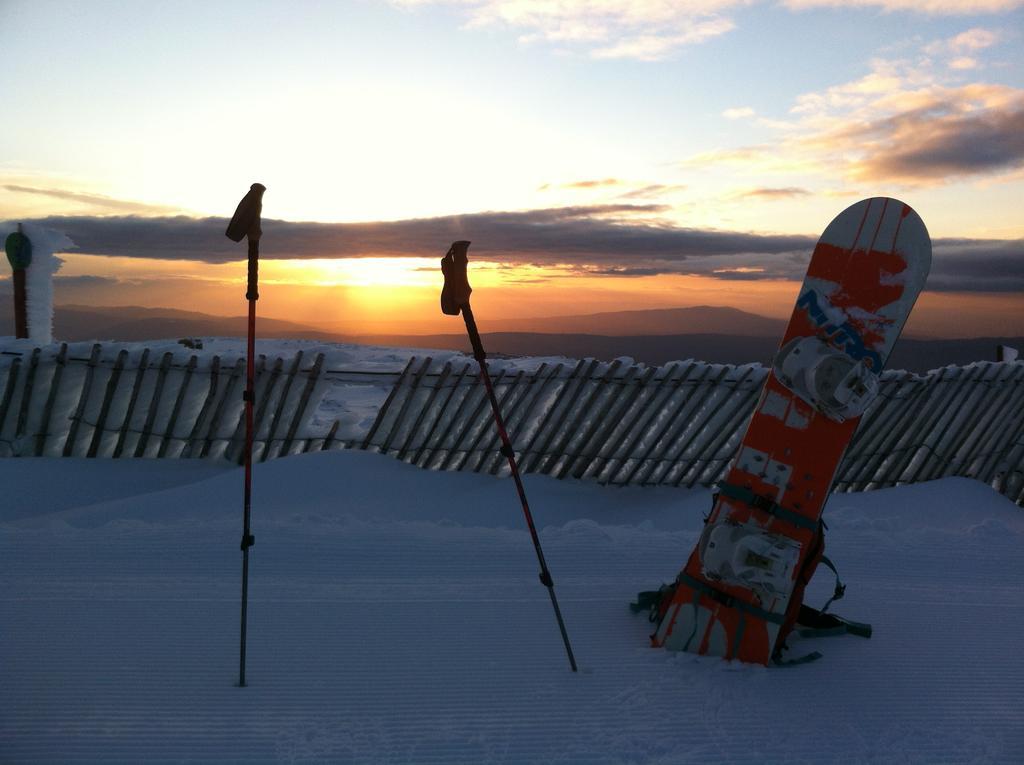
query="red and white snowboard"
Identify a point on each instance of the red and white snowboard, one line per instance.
(865, 274)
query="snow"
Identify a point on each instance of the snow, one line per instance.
(395, 616)
(39, 276)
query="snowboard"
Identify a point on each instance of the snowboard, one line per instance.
(865, 273)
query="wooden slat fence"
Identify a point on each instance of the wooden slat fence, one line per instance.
(680, 424)
(615, 423)
(120, 403)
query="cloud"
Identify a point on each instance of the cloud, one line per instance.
(649, 191)
(963, 63)
(932, 7)
(84, 280)
(661, 44)
(590, 184)
(653, 190)
(599, 240)
(900, 123)
(739, 112)
(960, 51)
(587, 234)
(645, 30)
(626, 271)
(947, 134)
(122, 206)
(770, 194)
(977, 265)
(973, 40)
(741, 274)
(653, 30)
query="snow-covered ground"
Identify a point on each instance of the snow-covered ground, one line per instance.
(395, 616)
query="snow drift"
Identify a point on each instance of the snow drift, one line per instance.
(395, 616)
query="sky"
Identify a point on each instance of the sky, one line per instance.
(601, 155)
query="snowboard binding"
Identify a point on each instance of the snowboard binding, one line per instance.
(744, 555)
(827, 379)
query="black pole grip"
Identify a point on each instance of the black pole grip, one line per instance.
(253, 293)
(474, 334)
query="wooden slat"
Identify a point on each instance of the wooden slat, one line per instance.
(1009, 459)
(909, 449)
(931, 438)
(154, 404)
(875, 424)
(470, 419)
(990, 448)
(1008, 479)
(604, 424)
(606, 464)
(413, 387)
(734, 429)
(194, 441)
(561, 443)
(424, 408)
(26, 396)
(12, 380)
(868, 473)
(740, 393)
(488, 428)
(676, 423)
(108, 398)
(428, 448)
(941, 446)
(386, 407)
(300, 411)
(520, 421)
(509, 408)
(140, 373)
(235, 379)
(172, 421)
(282, 400)
(1010, 399)
(329, 439)
(45, 422)
(556, 416)
(78, 416)
(264, 397)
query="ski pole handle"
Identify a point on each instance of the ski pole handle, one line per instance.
(246, 223)
(456, 290)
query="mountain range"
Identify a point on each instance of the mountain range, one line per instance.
(709, 333)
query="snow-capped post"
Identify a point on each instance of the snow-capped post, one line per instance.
(19, 253)
(1006, 353)
(246, 223)
(455, 300)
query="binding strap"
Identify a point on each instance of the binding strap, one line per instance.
(840, 588)
(766, 504)
(728, 600)
(814, 623)
(778, 661)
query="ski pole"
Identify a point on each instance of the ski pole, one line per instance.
(455, 300)
(246, 223)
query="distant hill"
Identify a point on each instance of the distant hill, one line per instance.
(913, 355)
(695, 320)
(76, 322)
(730, 337)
